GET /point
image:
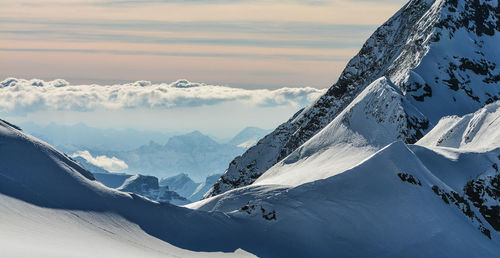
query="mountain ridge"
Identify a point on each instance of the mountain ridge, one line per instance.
(413, 49)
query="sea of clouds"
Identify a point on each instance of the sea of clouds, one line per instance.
(24, 96)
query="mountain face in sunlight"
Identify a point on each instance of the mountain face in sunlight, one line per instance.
(399, 158)
(437, 58)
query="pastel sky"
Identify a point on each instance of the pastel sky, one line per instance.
(260, 44)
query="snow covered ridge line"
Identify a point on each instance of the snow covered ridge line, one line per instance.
(441, 56)
(20, 95)
(474, 132)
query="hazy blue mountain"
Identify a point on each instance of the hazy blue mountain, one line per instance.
(248, 137)
(181, 183)
(194, 154)
(70, 138)
(186, 187)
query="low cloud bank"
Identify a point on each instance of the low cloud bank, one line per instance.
(23, 96)
(112, 164)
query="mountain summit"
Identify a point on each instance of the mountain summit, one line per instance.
(434, 59)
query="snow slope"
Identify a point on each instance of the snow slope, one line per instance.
(442, 57)
(478, 131)
(403, 200)
(391, 204)
(45, 196)
(385, 207)
(33, 231)
(373, 120)
(344, 179)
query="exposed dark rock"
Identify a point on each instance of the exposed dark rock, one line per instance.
(405, 177)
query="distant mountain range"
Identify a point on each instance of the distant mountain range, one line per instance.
(195, 154)
(179, 189)
(72, 137)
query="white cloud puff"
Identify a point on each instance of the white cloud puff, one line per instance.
(112, 164)
(23, 96)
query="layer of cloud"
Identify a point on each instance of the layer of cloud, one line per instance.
(23, 96)
(112, 164)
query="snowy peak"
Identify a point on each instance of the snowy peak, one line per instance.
(376, 118)
(190, 139)
(442, 57)
(478, 131)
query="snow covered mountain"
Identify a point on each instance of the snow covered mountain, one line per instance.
(400, 158)
(437, 58)
(148, 186)
(405, 200)
(475, 132)
(50, 205)
(180, 183)
(186, 187)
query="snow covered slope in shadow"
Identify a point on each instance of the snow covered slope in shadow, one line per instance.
(43, 192)
(400, 201)
(389, 205)
(33, 231)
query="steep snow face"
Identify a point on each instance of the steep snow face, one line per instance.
(478, 131)
(441, 55)
(374, 119)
